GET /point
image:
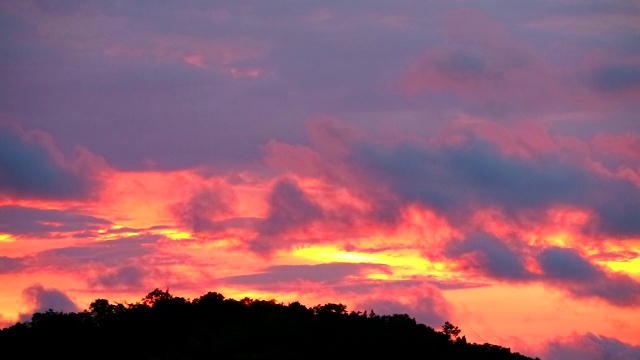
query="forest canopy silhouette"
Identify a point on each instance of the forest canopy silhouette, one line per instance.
(163, 326)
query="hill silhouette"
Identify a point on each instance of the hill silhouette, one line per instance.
(162, 326)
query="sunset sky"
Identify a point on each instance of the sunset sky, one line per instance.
(476, 162)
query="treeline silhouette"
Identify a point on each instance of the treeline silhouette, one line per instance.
(162, 326)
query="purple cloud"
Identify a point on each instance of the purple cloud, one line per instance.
(128, 276)
(198, 212)
(368, 286)
(9, 264)
(489, 255)
(590, 347)
(43, 299)
(563, 268)
(289, 208)
(567, 264)
(330, 273)
(28, 169)
(459, 179)
(571, 272)
(617, 77)
(463, 66)
(18, 220)
(108, 253)
(428, 307)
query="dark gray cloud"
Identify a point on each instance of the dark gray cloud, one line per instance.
(457, 180)
(43, 299)
(331, 273)
(590, 347)
(617, 208)
(18, 220)
(567, 264)
(568, 270)
(563, 268)
(29, 170)
(616, 289)
(475, 174)
(489, 256)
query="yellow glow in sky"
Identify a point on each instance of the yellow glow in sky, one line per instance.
(5, 238)
(404, 265)
(630, 267)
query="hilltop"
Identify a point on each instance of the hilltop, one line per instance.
(162, 326)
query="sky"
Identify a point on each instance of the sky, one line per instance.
(476, 162)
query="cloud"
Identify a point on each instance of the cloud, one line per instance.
(618, 210)
(487, 254)
(368, 286)
(426, 305)
(562, 268)
(457, 180)
(199, 211)
(617, 77)
(18, 220)
(479, 67)
(31, 167)
(10, 265)
(328, 274)
(108, 253)
(472, 175)
(568, 270)
(590, 347)
(289, 208)
(42, 299)
(463, 66)
(567, 264)
(128, 276)
(616, 256)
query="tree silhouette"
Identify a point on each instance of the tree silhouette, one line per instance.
(156, 295)
(450, 330)
(162, 326)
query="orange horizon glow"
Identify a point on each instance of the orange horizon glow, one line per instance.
(402, 250)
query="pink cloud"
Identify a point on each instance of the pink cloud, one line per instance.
(201, 53)
(590, 347)
(489, 67)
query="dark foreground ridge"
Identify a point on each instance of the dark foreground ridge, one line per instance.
(162, 326)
